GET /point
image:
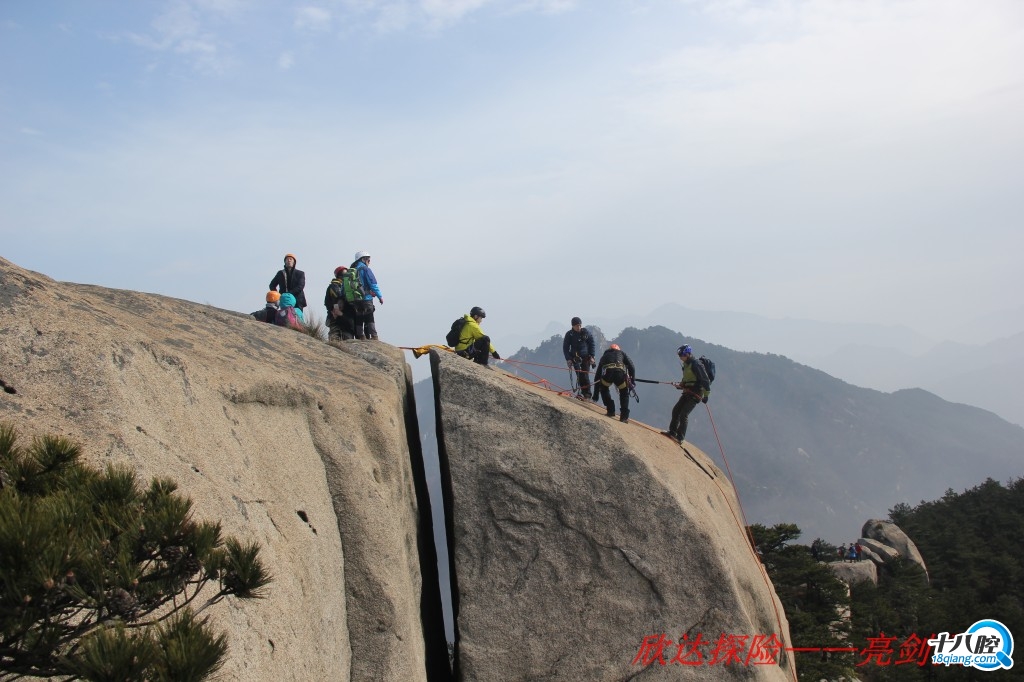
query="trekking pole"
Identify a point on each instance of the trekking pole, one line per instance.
(574, 384)
(651, 381)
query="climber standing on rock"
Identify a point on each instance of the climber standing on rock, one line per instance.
(360, 285)
(578, 349)
(696, 388)
(290, 280)
(614, 367)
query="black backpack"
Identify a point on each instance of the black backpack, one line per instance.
(453, 337)
(709, 367)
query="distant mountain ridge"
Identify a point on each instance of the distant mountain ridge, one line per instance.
(809, 448)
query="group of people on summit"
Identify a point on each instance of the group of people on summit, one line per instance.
(350, 315)
(348, 300)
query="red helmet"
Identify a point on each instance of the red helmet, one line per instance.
(615, 346)
(340, 269)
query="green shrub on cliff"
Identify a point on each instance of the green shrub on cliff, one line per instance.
(102, 579)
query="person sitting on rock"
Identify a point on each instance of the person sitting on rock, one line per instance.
(473, 343)
(288, 315)
(614, 367)
(269, 313)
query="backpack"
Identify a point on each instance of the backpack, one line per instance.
(709, 367)
(286, 318)
(352, 286)
(335, 290)
(453, 337)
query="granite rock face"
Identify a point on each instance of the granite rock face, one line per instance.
(574, 537)
(851, 572)
(285, 440)
(890, 535)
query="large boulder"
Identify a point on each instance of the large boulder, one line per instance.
(851, 572)
(573, 538)
(890, 535)
(283, 439)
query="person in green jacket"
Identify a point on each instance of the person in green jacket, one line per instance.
(696, 389)
(473, 343)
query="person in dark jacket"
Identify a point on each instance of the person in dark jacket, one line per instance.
(578, 349)
(614, 367)
(269, 313)
(339, 326)
(696, 389)
(290, 280)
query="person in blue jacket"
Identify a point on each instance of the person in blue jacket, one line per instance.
(365, 325)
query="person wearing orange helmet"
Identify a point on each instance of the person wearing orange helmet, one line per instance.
(269, 313)
(290, 280)
(614, 367)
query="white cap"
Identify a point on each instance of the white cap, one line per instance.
(361, 254)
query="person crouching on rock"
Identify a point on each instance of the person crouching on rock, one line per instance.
(614, 367)
(473, 343)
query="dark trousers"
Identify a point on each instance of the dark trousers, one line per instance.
(357, 321)
(336, 327)
(582, 368)
(479, 352)
(681, 414)
(620, 380)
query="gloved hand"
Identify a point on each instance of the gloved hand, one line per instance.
(704, 400)
(381, 299)
(495, 355)
(568, 363)
(590, 359)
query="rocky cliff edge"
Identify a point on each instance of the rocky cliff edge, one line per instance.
(576, 542)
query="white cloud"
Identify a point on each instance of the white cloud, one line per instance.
(179, 29)
(312, 19)
(285, 61)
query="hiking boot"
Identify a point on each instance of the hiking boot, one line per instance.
(586, 395)
(671, 435)
(624, 418)
(610, 413)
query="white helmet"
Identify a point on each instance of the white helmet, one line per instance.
(361, 254)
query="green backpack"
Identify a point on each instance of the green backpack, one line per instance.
(352, 286)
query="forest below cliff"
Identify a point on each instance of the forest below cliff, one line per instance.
(971, 544)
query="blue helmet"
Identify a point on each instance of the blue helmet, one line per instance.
(684, 350)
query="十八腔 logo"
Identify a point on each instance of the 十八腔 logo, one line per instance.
(987, 645)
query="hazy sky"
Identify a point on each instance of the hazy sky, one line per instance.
(857, 161)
